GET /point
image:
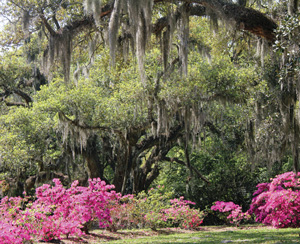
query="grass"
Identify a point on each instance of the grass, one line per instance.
(260, 235)
(206, 235)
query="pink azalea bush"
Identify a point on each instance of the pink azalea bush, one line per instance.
(56, 211)
(11, 214)
(278, 203)
(181, 214)
(125, 214)
(154, 209)
(235, 213)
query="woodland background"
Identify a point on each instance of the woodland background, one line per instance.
(201, 96)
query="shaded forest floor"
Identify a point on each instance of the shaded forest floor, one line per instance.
(205, 234)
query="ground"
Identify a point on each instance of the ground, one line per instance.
(205, 234)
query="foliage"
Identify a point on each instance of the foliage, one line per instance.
(235, 211)
(277, 203)
(155, 209)
(57, 211)
(211, 100)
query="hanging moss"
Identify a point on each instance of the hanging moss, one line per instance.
(293, 6)
(73, 134)
(60, 47)
(114, 24)
(139, 25)
(26, 22)
(184, 38)
(93, 7)
(167, 38)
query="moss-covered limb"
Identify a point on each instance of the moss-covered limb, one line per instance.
(23, 95)
(139, 28)
(245, 18)
(14, 104)
(8, 92)
(176, 160)
(75, 123)
(251, 20)
(151, 141)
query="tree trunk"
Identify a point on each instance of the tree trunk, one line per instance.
(293, 6)
(90, 154)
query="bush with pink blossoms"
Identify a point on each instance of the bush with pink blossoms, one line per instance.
(126, 214)
(57, 211)
(182, 215)
(141, 211)
(77, 205)
(278, 203)
(233, 211)
(154, 209)
(10, 215)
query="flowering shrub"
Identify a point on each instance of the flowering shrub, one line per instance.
(11, 233)
(57, 211)
(11, 214)
(143, 210)
(154, 209)
(125, 214)
(224, 206)
(152, 205)
(278, 203)
(235, 211)
(182, 215)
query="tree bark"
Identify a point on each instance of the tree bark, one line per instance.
(91, 156)
(293, 6)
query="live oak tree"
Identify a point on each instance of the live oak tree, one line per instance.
(127, 80)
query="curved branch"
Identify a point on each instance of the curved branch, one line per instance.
(76, 123)
(48, 26)
(176, 160)
(17, 104)
(246, 18)
(151, 141)
(23, 95)
(251, 20)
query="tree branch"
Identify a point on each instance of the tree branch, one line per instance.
(17, 104)
(23, 95)
(55, 22)
(246, 18)
(48, 26)
(76, 123)
(176, 160)
(151, 141)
